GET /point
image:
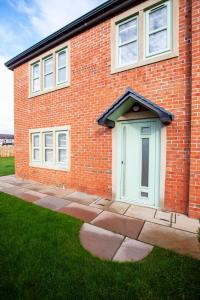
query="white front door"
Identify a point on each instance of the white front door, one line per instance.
(139, 162)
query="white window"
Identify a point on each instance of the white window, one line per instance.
(127, 41)
(48, 73)
(158, 29)
(50, 148)
(36, 77)
(36, 147)
(61, 67)
(61, 147)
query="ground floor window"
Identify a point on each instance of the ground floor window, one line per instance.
(50, 147)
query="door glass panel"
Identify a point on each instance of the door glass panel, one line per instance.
(145, 130)
(124, 163)
(145, 162)
(144, 194)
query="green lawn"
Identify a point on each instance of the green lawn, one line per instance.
(43, 259)
(7, 166)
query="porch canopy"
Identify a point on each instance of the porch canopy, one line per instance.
(127, 102)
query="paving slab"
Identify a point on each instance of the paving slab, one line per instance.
(132, 250)
(118, 207)
(100, 242)
(15, 191)
(180, 241)
(31, 196)
(4, 184)
(80, 211)
(163, 215)
(53, 203)
(120, 224)
(81, 198)
(185, 223)
(144, 213)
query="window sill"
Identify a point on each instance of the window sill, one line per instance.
(144, 62)
(56, 168)
(59, 87)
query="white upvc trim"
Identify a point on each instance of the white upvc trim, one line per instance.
(66, 66)
(49, 73)
(32, 78)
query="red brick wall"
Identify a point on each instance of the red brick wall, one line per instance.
(194, 200)
(92, 90)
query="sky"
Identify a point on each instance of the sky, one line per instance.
(22, 24)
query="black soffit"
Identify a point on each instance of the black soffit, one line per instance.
(124, 103)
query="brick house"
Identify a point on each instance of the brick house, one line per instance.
(109, 105)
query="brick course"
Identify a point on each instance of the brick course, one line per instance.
(93, 88)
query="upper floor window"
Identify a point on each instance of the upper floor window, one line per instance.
(127, 41)
(144, 34)
(48, 73)
(158, 29)
(36, 77)
(61, 66)
(53, 73)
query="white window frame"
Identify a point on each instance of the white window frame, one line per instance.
(62, 67)
(40, 59)
(49, 73)
(32, 77)
(140, 11)
(48, 147)
(61, 147)
(168, 27)
(35, 148)
(55, 165)
(118, 44)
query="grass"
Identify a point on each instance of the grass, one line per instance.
(7, 166)
(42, 259)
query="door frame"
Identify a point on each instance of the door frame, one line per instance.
(115, 159)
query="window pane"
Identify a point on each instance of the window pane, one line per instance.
(128, 53)
(62, 155)
(36, 154)
(36, 85)
(62, 76)
(128, 31)
(145, 130)
(158, 41)
(48, 140)
(48, 65)
(36, 71)
(62, 140)
(62, 59)
(36, 141)
(158, 19)
(49, 155)
(48, 81)
(145, 162)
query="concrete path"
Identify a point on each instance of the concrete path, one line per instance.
(112, 230)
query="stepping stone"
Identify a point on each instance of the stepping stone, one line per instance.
(180, 241)
(53, 203)
(120, 224)
(83, 212)
(101, 203)
(100, 242)
(81, 198)
(118, 207)
(132, 250)
(144, 213)
(185, 223)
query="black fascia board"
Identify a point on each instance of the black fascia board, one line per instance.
(92, 18)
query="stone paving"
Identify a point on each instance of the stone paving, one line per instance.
(115, 231)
